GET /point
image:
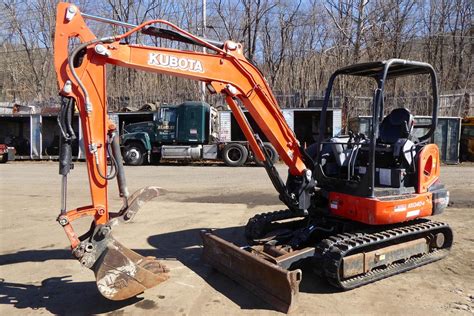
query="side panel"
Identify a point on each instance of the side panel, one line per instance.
(452, 138)
(428, 167)
(380, 212)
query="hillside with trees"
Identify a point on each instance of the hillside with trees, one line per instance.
(297, 44)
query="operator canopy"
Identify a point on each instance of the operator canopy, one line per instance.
(375, 69)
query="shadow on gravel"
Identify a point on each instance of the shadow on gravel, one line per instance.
(35, 256)
(60, 296)
(186, 247)
(251, 199)
(205, 163)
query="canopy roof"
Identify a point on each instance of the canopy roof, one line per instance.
(398, 68)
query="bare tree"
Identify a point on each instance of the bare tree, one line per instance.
(31, 45)
(296, 44)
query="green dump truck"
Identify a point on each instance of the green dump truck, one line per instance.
(188, 131)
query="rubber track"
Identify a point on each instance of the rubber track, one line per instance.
(335, 248)
(260, 224)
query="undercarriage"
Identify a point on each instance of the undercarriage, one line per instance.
(285, 243)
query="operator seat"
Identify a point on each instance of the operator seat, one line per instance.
(397, 125)
(396, 144)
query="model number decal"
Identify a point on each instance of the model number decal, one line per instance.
(174, 62)
(416, 204)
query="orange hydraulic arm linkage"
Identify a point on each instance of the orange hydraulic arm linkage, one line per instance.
(225, 71)
(81, 73)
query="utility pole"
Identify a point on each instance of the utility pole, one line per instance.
(203, 85)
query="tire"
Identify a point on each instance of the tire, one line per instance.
(155, 158)
(235, 155)
(271, 151)
(4, 158)
(134, 154)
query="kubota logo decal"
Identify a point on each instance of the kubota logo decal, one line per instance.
(170, 61)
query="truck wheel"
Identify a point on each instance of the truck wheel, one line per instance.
(235, 154)
(4, 158)
(134, 154)
(271, 152)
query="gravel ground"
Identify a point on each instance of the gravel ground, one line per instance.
(38, 275)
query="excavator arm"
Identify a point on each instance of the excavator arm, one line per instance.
(80, 60)
(81, 75)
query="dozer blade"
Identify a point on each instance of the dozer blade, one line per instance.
(122, 273)
(275, 285)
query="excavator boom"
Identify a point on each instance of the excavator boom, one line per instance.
(81, 74)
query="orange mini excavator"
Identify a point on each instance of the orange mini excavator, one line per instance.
(356, 204)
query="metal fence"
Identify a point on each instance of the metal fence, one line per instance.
(456, 103)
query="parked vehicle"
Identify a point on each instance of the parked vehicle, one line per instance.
(467, 139)
(188, 131)
(6, 153)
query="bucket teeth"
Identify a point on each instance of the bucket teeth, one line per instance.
(122, 273)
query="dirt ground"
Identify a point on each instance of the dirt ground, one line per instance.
(38, 274)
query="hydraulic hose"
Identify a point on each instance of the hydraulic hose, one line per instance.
(88, 103)
(113, 168)
(71, 58)
(121, 181)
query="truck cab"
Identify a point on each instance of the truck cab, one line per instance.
(177, 131)
(188, 131)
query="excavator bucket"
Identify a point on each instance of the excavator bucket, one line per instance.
(122, 273)
(273, 284)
